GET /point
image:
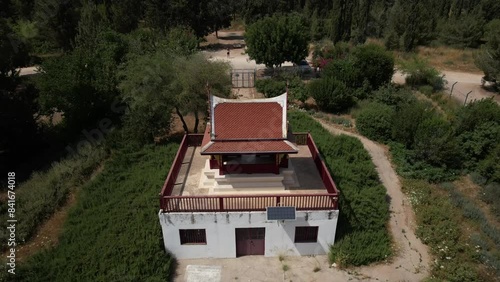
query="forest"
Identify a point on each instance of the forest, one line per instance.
(85, 48)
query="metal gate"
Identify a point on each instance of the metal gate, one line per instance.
(250, 241)
(243, 78)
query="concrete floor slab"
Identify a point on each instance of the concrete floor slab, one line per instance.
(203, 273)
(188, 180)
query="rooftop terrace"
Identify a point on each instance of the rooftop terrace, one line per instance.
(182, 191)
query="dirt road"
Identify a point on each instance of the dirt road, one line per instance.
(464, 83)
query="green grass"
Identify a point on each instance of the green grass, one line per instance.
(446, 223)
(44, 192)
(113, 233)
(362, 236)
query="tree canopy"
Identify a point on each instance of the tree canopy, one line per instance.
(488, 58)
(277, 39)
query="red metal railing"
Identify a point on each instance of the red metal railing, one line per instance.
(321, 166)
(169, 184)
(249, 202)
(321, 201)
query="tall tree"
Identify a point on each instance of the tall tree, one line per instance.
(341, 16)
(219, 11)
(488, 58)
(277, 39)
(57, 21)
(83, 84)
(146, 89)
(124, 15)
(412, 23)
(465, 31)
(195, 76)
(201, 16)
(18, 110)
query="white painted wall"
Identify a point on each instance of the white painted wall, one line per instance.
(221, 236)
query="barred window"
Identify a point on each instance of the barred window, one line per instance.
(193, 236)
(307, 234)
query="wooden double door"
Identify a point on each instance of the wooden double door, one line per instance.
(250, 241)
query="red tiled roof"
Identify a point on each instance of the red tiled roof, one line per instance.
(275, 146)
(258, 120)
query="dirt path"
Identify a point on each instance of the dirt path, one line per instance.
(412, 260)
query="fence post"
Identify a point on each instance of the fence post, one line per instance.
(467, 96)
(221, 204)
(451, 92)
(254, 77)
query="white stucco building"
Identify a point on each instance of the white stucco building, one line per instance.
(248, 186)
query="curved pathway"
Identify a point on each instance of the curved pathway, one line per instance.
(411, 261)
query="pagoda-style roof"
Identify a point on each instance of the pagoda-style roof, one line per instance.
(247, 127)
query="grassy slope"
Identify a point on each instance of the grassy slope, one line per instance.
(112, 234)
(362, 236)
(39, 197)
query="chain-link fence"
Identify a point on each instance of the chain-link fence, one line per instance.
(243, 78)
(452, 89)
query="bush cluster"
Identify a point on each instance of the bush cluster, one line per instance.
(429, 145)
(276, 86)
(362, 236)
(419, 73)
(351, 74)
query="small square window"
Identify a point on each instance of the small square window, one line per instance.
(193, 236)
(307, 234)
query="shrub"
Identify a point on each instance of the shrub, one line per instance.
(375, 121)
(370, 63)
(276, 86)
(331, 95)
(342, 121)
(344, 71)
(419, 72)
(393, 96)
(408, 167)
(406, 121)
(490, 166)
(376, 65)
(426, 90)
(360, 248)
(270, 87)
(478, 132)
(435, 144)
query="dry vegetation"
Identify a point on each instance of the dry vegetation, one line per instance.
(441, 57)
(446, 58)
